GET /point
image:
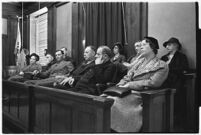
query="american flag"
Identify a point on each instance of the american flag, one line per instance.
(18, 43)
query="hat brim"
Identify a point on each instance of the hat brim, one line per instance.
(167, 42)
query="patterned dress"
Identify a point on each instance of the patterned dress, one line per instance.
(126, 112)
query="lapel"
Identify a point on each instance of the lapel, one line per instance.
(87, 66)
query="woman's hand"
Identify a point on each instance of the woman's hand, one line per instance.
(60, 77)
(124, 86)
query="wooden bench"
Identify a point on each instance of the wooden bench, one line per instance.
(36, 109)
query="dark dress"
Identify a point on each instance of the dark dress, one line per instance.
(101, 73)
(177, 66)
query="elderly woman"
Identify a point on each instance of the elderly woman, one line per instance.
(26, 73)
(149, 72)
(118, 56)
(176, 60)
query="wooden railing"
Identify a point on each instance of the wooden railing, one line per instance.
(36, 109)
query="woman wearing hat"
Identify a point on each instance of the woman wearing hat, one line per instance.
(118, 53)
(26, 73)
(148, 72)
(178, 65)
(176, 60)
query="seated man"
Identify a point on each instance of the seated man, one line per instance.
(66, 57)
(50, 61)
(34, 66)
(61, 67)
(101, 72)
(71, 80)
(149, 72)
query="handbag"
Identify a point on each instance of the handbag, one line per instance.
(28, 75)
(117, 91)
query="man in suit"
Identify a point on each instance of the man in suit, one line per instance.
(59, 68)
(102, 72)
(71, 79)
(50, 61)
(66, 57)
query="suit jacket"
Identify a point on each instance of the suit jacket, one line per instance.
(32, 67)
(101, 73)
(152, 75)
(68, 58)
(177, 66)
(81, 70)
(59, 68)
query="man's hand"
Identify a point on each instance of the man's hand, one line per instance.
(71, 81)
(35, 72)
(21, 73)
(65, 81)
(126, 64)
(99, 61)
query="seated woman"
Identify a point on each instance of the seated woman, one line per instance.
(178, 65)
(26, 73)
(118, 56)
(176, 61)
(131, 59)
(150, 72)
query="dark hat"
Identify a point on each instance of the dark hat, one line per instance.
(153, 42)
(173, 40)
(120, 46)
(35, 55)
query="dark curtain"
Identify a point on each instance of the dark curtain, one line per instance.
(26, 32)
(136, 16)
(51, 29)
(8, 44)
(104, 23)
(107, 23)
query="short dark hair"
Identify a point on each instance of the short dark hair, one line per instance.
(35, 55)
(49, 54)
(153, 42)
(64, 48)
(60, 51)
(120, 46)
